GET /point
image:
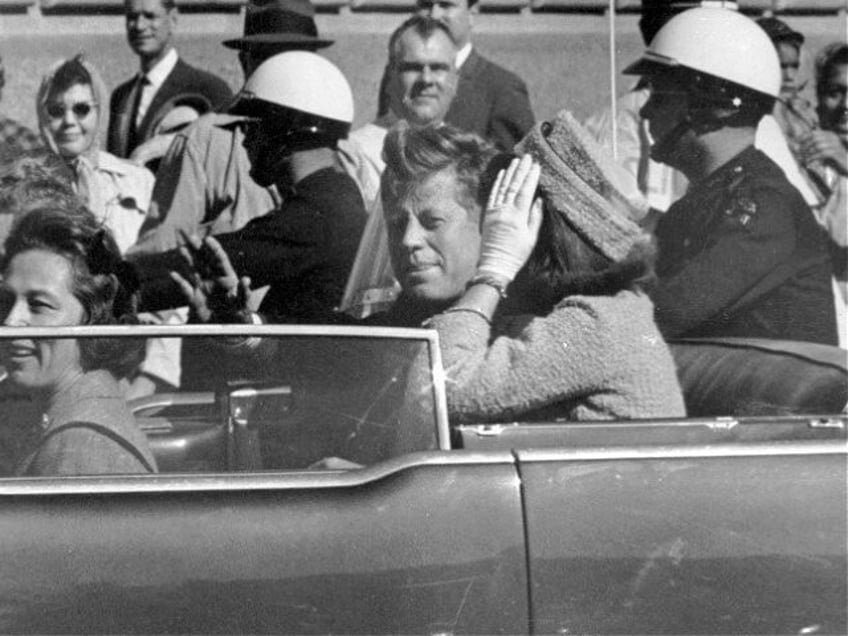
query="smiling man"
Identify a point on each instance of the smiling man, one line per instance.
(138, 104)
(490, 100)
(421, 82)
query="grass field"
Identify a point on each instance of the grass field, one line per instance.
(563, 58)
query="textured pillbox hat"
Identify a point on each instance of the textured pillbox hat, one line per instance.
(583, 184)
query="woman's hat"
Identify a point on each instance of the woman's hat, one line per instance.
(582, 183)
(279, 22)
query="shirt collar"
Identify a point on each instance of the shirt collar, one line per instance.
(156, 75)
(462, 55)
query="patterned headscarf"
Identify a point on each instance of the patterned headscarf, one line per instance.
(86, 163)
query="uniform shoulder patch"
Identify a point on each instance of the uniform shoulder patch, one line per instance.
(741, 204)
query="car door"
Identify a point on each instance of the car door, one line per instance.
(411, 537)
(715, 526)
(426, 544)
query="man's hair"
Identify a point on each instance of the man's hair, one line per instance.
(424, 26)
(831, 56)
(412, 155)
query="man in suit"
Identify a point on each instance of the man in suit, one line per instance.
(490, 100)
(138, 104)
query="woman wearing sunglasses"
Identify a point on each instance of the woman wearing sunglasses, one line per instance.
(72, 106)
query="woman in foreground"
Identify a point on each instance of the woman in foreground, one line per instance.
(62, 268)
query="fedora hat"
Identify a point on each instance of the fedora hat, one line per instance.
(279, 22)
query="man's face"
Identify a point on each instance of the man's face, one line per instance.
(267, 153)
(833, 100)
(149, 28)
(665, 111)
(454, 14)
(790, 60)
(424, 77)
(434, 240)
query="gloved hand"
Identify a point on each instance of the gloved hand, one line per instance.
(512, 221)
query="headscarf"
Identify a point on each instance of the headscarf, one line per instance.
(85, 165)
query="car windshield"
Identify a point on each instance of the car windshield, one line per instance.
(230, 398)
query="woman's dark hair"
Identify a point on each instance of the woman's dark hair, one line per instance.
(104, 284)
(831, 56)
(37, 178)
(70, 74)
(563, 264)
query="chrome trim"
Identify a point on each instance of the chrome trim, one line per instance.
(229, 482)
(178, 331)
(443, 437)
(760, 449)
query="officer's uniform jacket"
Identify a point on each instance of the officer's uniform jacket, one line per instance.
(742, 255)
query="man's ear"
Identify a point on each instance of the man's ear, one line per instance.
(173, 16)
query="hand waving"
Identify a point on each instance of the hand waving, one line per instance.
(512, 221)
(212, 288)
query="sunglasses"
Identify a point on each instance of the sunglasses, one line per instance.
(80, 110)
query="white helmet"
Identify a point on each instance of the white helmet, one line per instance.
(716, 42)
(298, 81)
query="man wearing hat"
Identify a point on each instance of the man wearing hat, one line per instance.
(740, 255)
(660, 184)
(136, 106)
(203, 183)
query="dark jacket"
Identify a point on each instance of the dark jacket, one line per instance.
(184, 80)
(490, 101)
(742, 255)
(303, 250)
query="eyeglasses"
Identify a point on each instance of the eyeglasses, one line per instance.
(80, 110)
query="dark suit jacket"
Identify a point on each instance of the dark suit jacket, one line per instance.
(490, 101)
(183, 80)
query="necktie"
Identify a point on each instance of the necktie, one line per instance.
(135, 118)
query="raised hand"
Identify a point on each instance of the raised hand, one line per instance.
(512, 220)
(212, 288)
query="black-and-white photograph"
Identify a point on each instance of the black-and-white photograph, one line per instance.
(438, 317)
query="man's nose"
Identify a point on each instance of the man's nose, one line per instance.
(412, 234)
(16, 316)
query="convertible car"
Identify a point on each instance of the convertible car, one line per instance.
(310, 483)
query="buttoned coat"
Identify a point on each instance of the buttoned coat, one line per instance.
(490, 101)
(182, 80)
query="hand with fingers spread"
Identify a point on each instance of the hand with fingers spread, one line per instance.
(211, 287)
(827, 147)
(512, 221)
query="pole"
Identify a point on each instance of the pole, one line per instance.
(613, 88)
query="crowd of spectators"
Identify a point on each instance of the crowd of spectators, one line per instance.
(553, 268)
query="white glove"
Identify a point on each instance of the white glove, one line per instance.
(512, 221)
